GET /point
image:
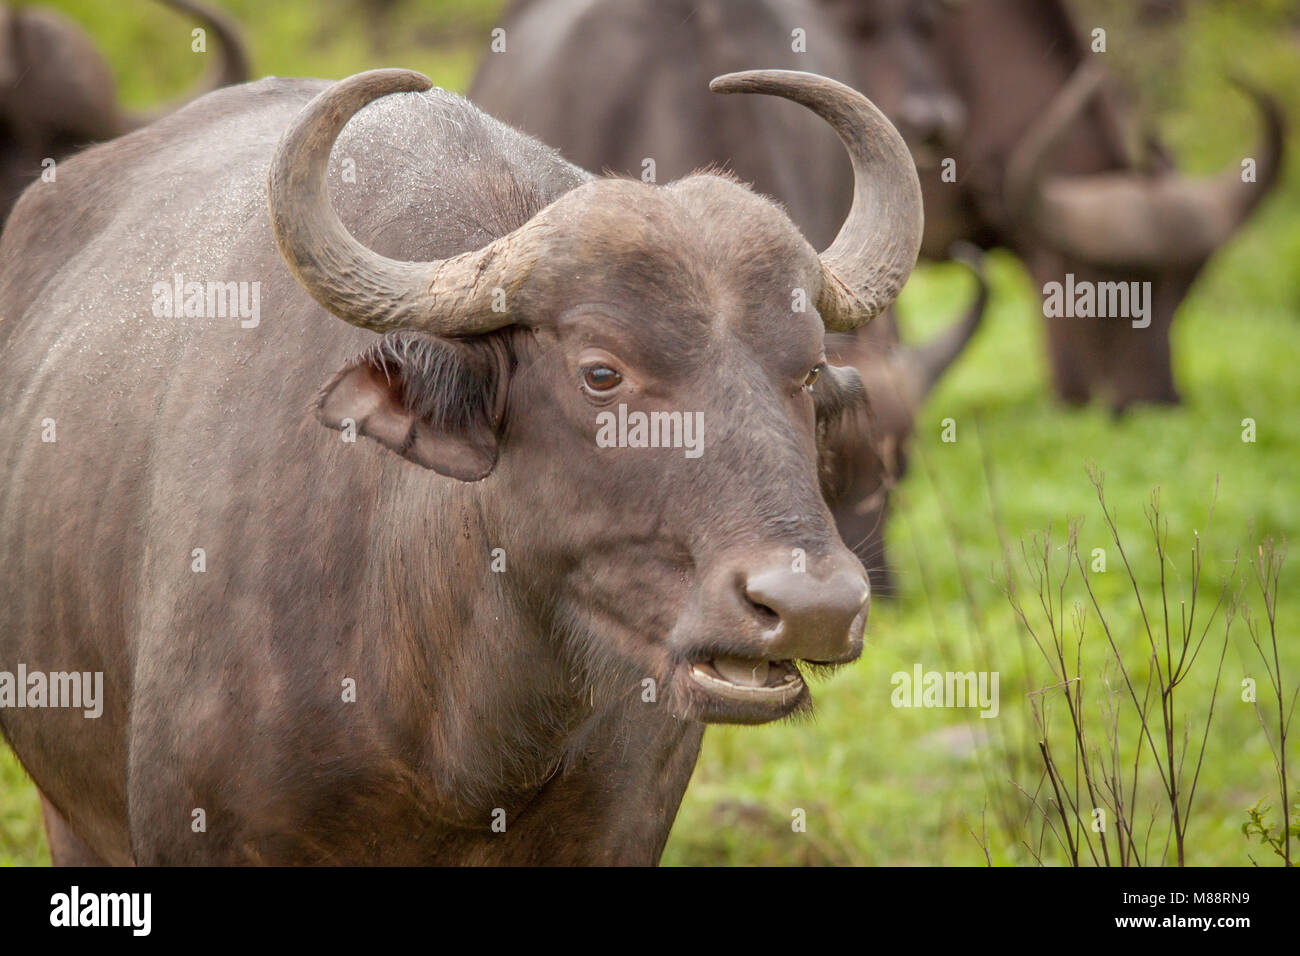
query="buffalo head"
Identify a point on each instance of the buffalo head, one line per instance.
(866, 451)
(900, 63)
(716, 573)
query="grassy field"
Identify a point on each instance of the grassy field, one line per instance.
(885, 785)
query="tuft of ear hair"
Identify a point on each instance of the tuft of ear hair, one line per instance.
(436, 402)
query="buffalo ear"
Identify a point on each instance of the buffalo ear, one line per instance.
(436, 402)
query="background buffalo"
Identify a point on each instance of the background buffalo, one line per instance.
(57, 93)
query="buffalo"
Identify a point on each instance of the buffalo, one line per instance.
(867, 449)
(621, 85)
(57, 94)
(451, 625)
(1043, 168)
(895, 52)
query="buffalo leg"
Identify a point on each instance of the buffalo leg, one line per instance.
(1070, 353)
(66, 848)
(1140, 366)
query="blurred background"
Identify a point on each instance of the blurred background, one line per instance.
(884, 785)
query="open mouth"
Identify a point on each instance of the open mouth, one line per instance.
(744, 690)
(741, 679)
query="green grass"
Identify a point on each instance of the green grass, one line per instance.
(322, 38)
(22, 839)
(881, 785)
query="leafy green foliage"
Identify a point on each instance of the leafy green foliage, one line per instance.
(1258, 824)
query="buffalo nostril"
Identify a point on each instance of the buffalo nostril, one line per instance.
(766, 616)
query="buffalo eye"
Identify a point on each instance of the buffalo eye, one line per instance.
(814, 373)
(600, 378)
